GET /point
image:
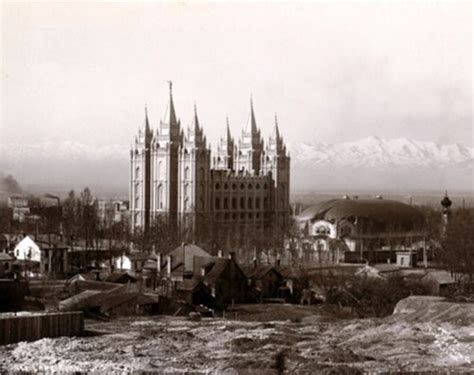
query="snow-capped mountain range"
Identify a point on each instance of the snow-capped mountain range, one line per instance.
(373, 152)
(366, 163)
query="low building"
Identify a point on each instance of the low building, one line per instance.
(120, 278)
(440, 282)
(194, 292)
(6, 265)
(226, 280)
(132, 263)
(265, 281)
(47, 255)
(113, 211)
(27, 249)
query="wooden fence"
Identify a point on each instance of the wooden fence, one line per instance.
(34, 327)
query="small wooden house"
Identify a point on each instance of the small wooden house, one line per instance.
(194, 292)
(226, 280)
(265, 281)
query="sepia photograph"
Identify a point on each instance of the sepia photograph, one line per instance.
(196, 187)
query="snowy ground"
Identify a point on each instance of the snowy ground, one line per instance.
(177, 345)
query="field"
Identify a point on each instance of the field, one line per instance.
(312, 342)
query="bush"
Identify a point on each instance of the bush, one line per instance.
(372, 297)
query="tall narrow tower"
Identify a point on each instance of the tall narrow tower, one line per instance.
(164, 165)
(140, 177)
(193, 176)
(225, 151)
(249, 152)
(446, 213)
(275, 161)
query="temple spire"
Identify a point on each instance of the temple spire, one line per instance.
(252, 124)
(277, 131)
(227, 128)
(170, 115)
(147, 123)
(195, 120)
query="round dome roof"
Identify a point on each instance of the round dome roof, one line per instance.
(383, 213)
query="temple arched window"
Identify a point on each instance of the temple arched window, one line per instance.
(159, 195)
(186, 173)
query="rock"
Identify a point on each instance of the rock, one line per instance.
(194, 316)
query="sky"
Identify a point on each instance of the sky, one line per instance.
(332, 72)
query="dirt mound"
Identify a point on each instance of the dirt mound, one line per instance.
(433, 309)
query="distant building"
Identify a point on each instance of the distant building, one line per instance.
(132, 263)
(20, 207)
(362, 230)
(113, 211)
(6, 265)
(224, 277)
(45, 256)
(173, 177)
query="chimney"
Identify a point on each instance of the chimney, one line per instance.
(203, 271)
(158, 263)
(232, 255)
(168, 265)
(220, 254)
(255, 262)
(278, 262)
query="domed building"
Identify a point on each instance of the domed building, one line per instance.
(352, 229)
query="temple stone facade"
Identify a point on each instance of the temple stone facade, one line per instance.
(244, 186)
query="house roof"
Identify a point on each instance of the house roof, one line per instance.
(116, 277)
(185, 255)
(386, 267)
(5, 257)
(258, 272)
(214, 266)
(188, 284)
(441, 277)
(138, 256)
(83, 276)
(291, 272)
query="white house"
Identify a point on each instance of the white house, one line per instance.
(27, 249)
(132, 263)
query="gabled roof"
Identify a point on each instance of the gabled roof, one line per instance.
(289, 272)
(119, 277)
(214, 267)
(83, 276)
(386, 267)
(189, 284)
(258, 272)
(441, 277)
(138, 256)
(5, 257)
(185, 255)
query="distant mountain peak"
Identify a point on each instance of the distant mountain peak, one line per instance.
(368, 162)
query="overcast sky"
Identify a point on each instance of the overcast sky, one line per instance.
(333, 72)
